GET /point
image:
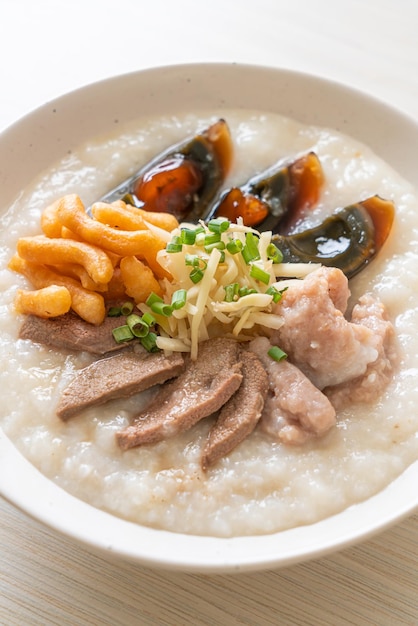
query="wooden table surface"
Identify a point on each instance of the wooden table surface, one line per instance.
(48, 48)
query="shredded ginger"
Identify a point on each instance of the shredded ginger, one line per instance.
(227, 293)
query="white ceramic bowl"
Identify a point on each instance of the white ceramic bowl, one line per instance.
(44, 136)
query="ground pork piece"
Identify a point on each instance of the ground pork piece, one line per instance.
(337, 287)
(315, 334)
(294, 409)
(117, 376)
(239, 416)
(203, 387)
(370, 313)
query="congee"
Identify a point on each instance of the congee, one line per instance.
(251, 366)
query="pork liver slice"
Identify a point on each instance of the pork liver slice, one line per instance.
(70, 332)
(203, 387)
(240, 415)
(117, 376)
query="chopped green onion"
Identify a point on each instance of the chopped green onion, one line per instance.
(178, 299)
(149, 319)
(219, 245)
(137, 326)
(212, 238)
(194, 260)
(188, 236)
(274, 254)
(277, 353)
(153, 297)
(174, 247)
(150, 342)
(200, 238)
(191, 259)
(196, 275)
(277, 295)
(114, 311)
(246, 291)
(259, 274)
(157, 305)
(234, 246)
(127, 308)
(250, 251)
(122, 333)
(218, 225)
(231, 292)
(162, 308)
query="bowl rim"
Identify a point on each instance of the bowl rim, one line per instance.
(25, 143)
(160, 549)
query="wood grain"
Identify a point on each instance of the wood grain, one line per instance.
(47, 580)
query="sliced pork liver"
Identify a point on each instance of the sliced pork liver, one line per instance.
(203, 387)
(117, 376)
(70, 332)
(239, 416)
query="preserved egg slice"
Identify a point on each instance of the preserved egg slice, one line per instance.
(184, 179)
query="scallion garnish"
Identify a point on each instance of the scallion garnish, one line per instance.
(162, 308)
(276, 353)
(219, 245)
(137, 326)
(276, 293)
(246, 291)
(150, 342)
(200, 238)
(174, 247)
(191, 259)
(234, 246)
(250, 251)
(211, 238)
(157, 305)
(194, 260)
(188, 236)
(126, 308)
(231, 292)
(149, 319)
(196, 275)
(153, 297)
(259, 274)
(218, 225)
(274, 254)
(114, 311)
(198, 264)
(178, 299)
(122, 333)
(272, 291)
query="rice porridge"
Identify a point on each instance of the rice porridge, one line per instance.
(262, 486)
